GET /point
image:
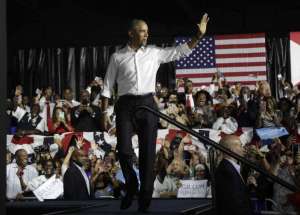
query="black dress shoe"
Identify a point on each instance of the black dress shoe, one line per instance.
(126, 201)
(144, 205)
(143, 209)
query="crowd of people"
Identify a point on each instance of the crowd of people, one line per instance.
(217, 107)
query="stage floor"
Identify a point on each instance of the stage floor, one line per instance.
(106, 206)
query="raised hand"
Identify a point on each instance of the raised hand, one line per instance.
(79, 142)
(202, 25)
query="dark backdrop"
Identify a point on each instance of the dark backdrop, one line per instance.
(50, 31)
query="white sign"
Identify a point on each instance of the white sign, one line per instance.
(192, 189)
(51, 189)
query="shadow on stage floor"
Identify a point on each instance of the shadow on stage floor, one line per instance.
(106, 206)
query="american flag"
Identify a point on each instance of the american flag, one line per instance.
(240, 57)
(295, 56)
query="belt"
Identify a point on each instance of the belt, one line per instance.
(132, 96)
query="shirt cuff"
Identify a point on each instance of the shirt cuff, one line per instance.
(184, 48)
(106, 93)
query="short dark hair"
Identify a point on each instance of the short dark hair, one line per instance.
(134, 23)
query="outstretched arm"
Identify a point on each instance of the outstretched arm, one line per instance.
(200, 33)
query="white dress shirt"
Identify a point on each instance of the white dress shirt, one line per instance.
(189, 97)
(135, 71)
(43, 112)
(13, 184)
(19, 113)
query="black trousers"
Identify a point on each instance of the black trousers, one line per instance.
(130, 120)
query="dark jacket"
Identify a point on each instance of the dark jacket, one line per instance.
(232, 196)
(85, 121)
(74, 184)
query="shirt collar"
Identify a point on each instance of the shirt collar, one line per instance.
(235, 165)
(142, 48)
(79, 167)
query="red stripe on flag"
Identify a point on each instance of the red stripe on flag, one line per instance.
(239, 36)
(240, 64)
(295, 36)
(262, 54)
(228, 82)
(241, 46)
(226, 74)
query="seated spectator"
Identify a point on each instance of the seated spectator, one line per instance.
(8, 157)
(86, 117)
(18, 175)
(268, 116)
(60, 123)
(161, 97)
(286, 172)
(165, 186)
(174, 111)
(203, 116)
(47, 105)
(26, 103)
(201, 172)
(103, 180)
(178, 167)
(288, 114)
(103, 186)
(68, 98)
(27, 123)
(243, 115)
(95, 94)
(48, 170)
(263, 91)
(225, 122)
(188, 97)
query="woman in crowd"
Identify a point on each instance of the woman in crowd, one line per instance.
(60, 123)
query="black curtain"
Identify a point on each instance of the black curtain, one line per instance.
(278, 59)
(74, 67)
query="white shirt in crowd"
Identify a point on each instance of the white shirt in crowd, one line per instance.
(19, 114)
(168, 185)
(135, 71)
(43, 113)
(228, 125)
(189, 97)
(72, 103)
(13, 184)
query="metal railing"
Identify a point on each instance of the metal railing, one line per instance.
(223, 149)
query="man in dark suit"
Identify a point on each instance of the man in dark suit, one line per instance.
(76, 182)
(231, 192)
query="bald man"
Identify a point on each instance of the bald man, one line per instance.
(76, 182)
(231, 191)
(134, 69)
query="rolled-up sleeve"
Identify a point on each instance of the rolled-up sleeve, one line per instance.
(169, 54)
(110, 77)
